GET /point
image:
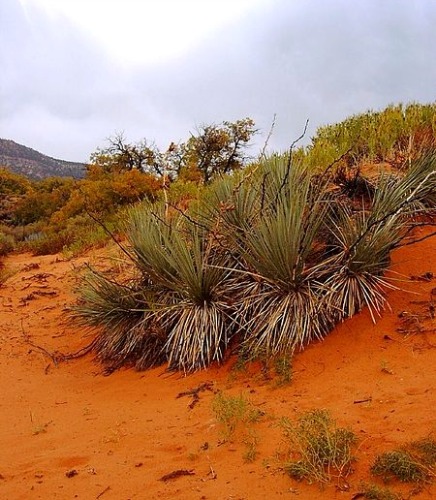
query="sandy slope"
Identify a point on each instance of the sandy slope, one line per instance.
(122, 433)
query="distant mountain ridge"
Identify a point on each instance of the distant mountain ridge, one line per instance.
(35, 165)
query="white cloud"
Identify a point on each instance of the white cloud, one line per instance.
(63, 88)
(136, 32)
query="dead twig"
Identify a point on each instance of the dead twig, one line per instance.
(194, 393)
(212, 473)
(57, 357)
(177, 473)
(103, 492)
(359, 401)
(271, 130)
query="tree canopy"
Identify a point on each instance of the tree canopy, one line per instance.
(211, 151)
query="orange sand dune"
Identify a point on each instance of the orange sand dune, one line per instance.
(67, 431)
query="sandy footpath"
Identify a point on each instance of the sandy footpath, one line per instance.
(67, 431)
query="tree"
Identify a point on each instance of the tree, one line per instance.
(120, 156)
(213, 150)
(218, 149)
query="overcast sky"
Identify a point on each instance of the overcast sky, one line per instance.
(74, 72)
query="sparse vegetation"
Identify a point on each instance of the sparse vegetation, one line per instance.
(399, 465)
(283, 370)
(236, 414)
(214, 246)
(375, 492)
(398, 135)
(233, 411)
(251, 441)
(414, 462)
(259, 263)
(319, 451)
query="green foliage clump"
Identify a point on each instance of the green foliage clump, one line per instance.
(274, 255)
(375, 492)
(319, 451)
(400, 465)
(237, 412)
(231, 411)
(414, 462)
(73, 237)
(398, 135)
(7, 244)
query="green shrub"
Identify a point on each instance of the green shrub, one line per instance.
(273, 256)
(398, 464)
(414, 462)
(374, 492)
(238, 414)
(7, 244)
(49, 242)
(232, 411)
(318, 450)
(398, 134)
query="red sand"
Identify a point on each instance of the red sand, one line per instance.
(117, 436)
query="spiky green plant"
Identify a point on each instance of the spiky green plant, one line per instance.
(193, 280)
(178, 310)
(271, 253)
(363, 241)
(360, 257)
(127, 332)
(282, 274)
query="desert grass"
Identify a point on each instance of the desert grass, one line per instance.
(413, 462)
(319, 451)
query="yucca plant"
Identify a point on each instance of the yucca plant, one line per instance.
(179, 308)
(364, 240)
(272, 254)
(191, 274)
(358, 260)
(280, 289)
(127, 334)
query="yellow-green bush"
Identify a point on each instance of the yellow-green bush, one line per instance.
(7, 244)
(398, 135)
(11, 183)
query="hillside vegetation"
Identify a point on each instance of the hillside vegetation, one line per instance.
(35, 165)
(267, 259)
(270, 259)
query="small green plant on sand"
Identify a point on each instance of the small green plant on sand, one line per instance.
(414, 462)
(318, 450)
(426, 450)
(283, 369)
(374, 492)
(230, 411)
(233, 412)
(251, 441)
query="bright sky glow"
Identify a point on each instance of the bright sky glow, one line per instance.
(137, 32)
(75, 72)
